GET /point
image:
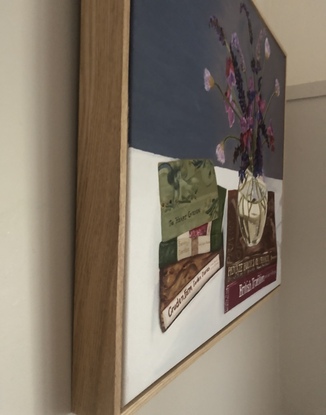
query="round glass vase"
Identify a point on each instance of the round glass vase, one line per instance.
(252, 208)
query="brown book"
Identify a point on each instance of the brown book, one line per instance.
(181, 281)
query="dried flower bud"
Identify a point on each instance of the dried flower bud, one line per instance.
(267, 49)
(208, 80)
(220, 152)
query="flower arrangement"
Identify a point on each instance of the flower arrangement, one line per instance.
(243, 98)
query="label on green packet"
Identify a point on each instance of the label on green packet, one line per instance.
(194, 243)
(188, 195)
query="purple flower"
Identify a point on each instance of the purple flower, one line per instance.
(251, 94)
(213, 22)
(235, 43)
(258, 158)
(261, 103)
(231, 116)
(270, 133)
(229, 105)
(220, 153)
(255, 65)
(244, 8)
(259, 42)
(230, 76)
(245, 163)
(243, 98)
(239, 82)
(246, 123)
(208, 80)
(246, 139)
(251, 84)
(277, 88)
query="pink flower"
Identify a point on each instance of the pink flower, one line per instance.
(229, 71)
(261, 103)
(277, 88)
(245, 139)
(270, 134)
(236, 45)
(208, 80)
(246, 123)
(220, 153)
(229, 105)
(251, 85)
(231, 116)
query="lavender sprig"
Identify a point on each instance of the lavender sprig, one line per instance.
(244, 8)
(239, 82)
(255, 66)
(236, 45)
(245, 163)
(258, 159)
(213, 22)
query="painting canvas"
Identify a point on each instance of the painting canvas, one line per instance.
(205, 170)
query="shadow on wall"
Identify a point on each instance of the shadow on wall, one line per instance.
(55, 123)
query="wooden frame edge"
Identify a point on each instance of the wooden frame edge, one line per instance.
(101, 202)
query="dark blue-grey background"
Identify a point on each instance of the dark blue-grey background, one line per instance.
(170, 112)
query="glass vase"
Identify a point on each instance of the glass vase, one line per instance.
(252, 208)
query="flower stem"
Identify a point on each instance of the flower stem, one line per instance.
(268, 105)
(225, 139)
(228, 103)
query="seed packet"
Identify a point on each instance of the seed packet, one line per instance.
(188, 196)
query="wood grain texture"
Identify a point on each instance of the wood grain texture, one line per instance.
(100, 217)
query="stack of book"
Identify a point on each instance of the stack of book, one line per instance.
(191, 251)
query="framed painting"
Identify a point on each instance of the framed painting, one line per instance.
(179, 189)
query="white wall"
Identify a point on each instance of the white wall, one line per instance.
(38, 113)
(238, 376)
(300, 28)
(303, 305)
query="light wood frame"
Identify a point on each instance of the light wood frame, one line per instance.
(101, 201)
(100, 217)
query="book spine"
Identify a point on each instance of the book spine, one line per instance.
(183, 298)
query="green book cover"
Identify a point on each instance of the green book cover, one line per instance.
(188, 196)
(203, 239)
